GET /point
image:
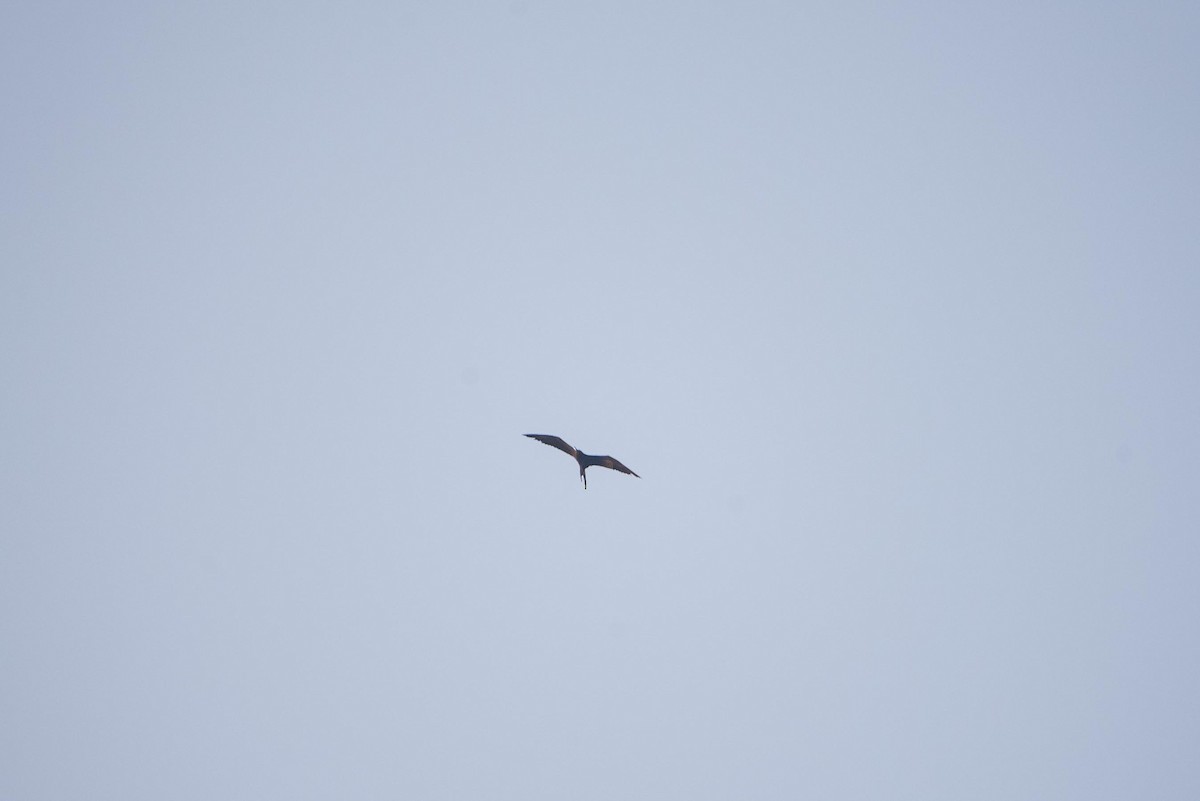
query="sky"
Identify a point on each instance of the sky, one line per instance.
(893, 308)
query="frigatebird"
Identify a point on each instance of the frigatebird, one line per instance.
(585, 460)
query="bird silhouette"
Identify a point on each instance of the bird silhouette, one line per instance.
(585, 460)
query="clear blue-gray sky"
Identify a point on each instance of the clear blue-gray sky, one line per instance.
(895, 309)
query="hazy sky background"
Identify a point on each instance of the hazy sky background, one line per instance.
(894, 307)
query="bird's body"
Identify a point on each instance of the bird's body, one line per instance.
(585, 460)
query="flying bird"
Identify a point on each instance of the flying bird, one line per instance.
(585, 460)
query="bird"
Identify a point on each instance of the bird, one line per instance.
(585, 460)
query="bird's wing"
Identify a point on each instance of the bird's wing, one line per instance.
(608, 461)
(554, 442)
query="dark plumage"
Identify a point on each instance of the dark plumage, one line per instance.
(585, 460)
